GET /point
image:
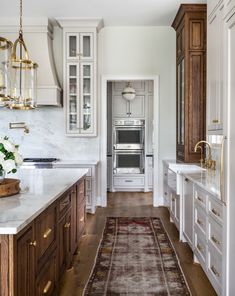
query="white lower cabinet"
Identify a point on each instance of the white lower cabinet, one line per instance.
(175, 208)
(208, 236)
(128, 182)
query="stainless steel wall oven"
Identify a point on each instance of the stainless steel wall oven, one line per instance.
(128, 162)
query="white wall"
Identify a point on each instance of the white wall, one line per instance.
(145, 51)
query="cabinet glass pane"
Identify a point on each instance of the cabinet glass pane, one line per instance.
(72, 85)
(72, 104)
(72, 46)
(86, 85)
(182, 102)
(86, 46)
(72, 70)
(86, 71)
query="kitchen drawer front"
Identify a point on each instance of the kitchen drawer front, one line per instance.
(64, 204)
(81, 191)
(215, 234)
(215, 268)
(200, 247)
(128, 182)
(216, 210)
(200, 219)
(200, 196)
(47, 279)
(45, 231)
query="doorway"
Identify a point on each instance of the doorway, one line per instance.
(105, 121)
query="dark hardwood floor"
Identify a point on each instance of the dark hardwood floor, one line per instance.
(128, 204)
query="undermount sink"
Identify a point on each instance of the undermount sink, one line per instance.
(178, 168)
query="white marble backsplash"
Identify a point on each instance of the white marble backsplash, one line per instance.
(46, 136)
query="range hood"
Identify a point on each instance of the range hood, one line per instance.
(38, 35)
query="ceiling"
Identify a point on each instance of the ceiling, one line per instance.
(113, 12)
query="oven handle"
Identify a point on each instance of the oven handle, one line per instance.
(126, 128)
(139, 152)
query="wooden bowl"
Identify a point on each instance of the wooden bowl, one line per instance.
(9, 187)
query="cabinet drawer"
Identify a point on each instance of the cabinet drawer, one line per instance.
(200, 248)
(216, 210)
(215, 268)
(215, 234)
(200, 197)
(128, 182)
(45, 231)
(64, 203)
(46, 281)
(200, 219)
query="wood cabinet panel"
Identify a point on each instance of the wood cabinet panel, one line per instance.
(25, 262)
(4, 267)
(190, 26)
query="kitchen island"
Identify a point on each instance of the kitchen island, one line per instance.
(40, 229)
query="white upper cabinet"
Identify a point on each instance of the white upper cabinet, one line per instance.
(215, 70)
(80, 75)
(80, 46)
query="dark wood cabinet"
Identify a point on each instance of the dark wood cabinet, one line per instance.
(190, 26)
(33, 261)
(25, 262)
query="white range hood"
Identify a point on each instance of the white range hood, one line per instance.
(38, 36)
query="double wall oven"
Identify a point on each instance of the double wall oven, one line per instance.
(128, 146)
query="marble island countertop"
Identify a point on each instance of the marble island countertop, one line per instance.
(39, 189)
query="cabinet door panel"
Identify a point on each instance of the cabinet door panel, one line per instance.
(137, 107)
(4, 267)
(72, 41)
(188, 211)
(119, 106)
(197, 41)
(25, 262)
(86, 46)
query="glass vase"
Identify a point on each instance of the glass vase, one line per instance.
(2, 176)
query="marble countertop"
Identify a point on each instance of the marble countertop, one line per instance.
(74, 163)
(39, 189)
(208, 180)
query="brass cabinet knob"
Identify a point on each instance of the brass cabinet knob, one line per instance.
(215, 121)
(67, 225)
(47, 233)
(34, 243)
(47, 287)
(215, 271)
(82, 219)
(215, 212)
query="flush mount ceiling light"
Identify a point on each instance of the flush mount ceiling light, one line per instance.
(5, 54)
(128, 92)
(22, 73)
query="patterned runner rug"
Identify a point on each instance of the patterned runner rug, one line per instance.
(136, 257)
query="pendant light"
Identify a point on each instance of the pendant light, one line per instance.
(23, 75)
(128, 92)
(5, 54)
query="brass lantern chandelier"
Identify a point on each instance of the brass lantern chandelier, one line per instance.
(23, 75)
(5, 54)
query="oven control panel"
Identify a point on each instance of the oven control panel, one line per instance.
(129, 122)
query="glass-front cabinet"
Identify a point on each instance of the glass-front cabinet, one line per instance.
(80, 46)
(80, 60)
(80, 94)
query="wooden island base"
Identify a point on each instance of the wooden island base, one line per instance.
(33, 261)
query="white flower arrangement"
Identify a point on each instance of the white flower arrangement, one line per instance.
(10, 158)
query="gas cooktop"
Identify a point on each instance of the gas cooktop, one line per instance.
(39, 162)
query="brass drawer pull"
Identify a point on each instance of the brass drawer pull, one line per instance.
(34, 243)
(215, 212)
(67, 225)
(199, 248)
(215, 121)
(47, 233)
(47, 287)
(215, 271)
(215, 240)
(200, 199)
(200, 222)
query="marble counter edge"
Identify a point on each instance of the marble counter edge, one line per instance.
(74, 163)
(8, 230)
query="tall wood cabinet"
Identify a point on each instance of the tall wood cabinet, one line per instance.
(190, 26)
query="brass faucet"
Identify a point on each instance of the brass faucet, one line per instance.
(19, 125)
(209, 163)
